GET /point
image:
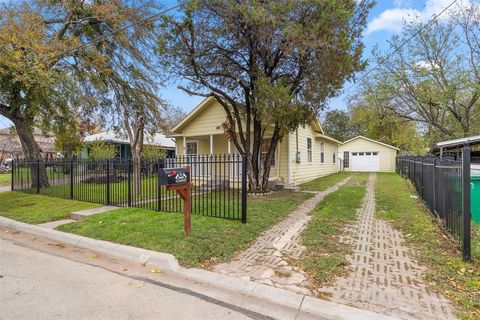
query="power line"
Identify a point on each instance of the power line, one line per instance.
(399, 47)
(152, 17)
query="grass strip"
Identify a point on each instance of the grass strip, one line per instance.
(37, 209)
(323, 183)
(445, 270)
(325, 256)
(5, 179)
(212, 240)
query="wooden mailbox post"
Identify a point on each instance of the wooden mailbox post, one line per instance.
(178, 179)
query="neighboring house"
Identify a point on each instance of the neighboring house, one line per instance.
(120, 139)
(301, 156)
(368, 155)
(10, 146)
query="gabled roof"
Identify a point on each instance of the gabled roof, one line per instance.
(205, 103)
(121, 137)
(189, 117)
(323, 136)
(371, 140)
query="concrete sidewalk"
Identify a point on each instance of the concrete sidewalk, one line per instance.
(257, 298)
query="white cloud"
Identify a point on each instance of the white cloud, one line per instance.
(392, 19)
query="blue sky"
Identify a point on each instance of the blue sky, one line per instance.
(384, 20)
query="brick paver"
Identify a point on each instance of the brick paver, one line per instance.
(268, 260)
(382, 277)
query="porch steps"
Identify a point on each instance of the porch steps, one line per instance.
(82, 214)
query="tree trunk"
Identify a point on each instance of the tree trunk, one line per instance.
(31, 151)
(266, 165)
(135, 136)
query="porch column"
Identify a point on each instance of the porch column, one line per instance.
(211, 144)
(184, 146)
(229, 147)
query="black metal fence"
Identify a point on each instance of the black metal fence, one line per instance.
(219, 183)
(444, 185)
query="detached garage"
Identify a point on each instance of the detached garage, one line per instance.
(367, 155)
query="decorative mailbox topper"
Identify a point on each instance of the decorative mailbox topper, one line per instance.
(173, 176)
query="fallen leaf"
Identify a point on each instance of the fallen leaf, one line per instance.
(125, 269)
(156, 271)
(140, 285)
(94, 257)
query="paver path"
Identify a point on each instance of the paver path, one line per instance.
(382, 277)
(267, 260)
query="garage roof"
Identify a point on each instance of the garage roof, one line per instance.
(371, 140)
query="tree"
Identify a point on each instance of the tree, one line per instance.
(383, 125)
(433, 80)
(43, 80)
(337, 125)
(270, 64)
(102, 151)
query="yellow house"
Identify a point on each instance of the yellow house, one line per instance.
(301, 156)
(368, 155)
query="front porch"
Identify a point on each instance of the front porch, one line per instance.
(197, 146)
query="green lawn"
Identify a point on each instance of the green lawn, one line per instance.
(322, 183)
(325, 256)
(37, 209)
(212, 239)
(5, 179)
(445, 270)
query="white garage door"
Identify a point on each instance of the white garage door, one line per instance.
(365, 161)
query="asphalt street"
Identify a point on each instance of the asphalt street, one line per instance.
(39, 285)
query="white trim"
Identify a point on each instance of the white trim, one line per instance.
(191, 141)
(371, 140)
(211, 144)
(184, 146)
(289, 170)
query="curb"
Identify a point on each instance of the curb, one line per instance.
(161, 260)
(277, 302)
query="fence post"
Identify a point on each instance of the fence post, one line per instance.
(13, 174)
(434, 177)
(38, 175)
(421, 180)
(129, 183)
(244, 188)
(108, 183)
(466, 203)
(160, 166)
(71, 178)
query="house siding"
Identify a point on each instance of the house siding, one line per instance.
(306, 171)
(387, 155)
(209, 121)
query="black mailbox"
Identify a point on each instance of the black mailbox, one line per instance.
(171, 176)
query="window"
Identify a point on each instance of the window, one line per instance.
(192, 148)
(354, 153)
(322, 153)
(309, 149)
(334, 154)
(264, 150)
(375, 153)
(346, 159)
(360, 153)
(368, 153)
